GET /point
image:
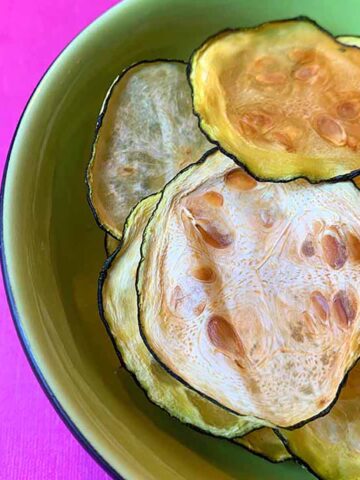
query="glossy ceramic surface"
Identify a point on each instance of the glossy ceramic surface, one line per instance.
(53, 250)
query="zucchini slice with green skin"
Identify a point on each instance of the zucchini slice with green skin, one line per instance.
(282, 99)
(118, 308)
(146, 132)
(262, 441)
(248, 292)
(265, 443)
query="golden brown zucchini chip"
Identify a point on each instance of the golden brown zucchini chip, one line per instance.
(282, 98)
(248, 292)
(146, 133)
(330, 446)
(265, 443)
(118, 308)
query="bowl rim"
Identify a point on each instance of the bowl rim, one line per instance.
(25, 344)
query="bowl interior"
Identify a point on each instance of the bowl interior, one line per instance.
(54, 250)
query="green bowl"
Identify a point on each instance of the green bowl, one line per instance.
(52, 250)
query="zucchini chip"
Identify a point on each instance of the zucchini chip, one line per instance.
(146, 133)
(248, 292)
(330, 446)
(118, 308)
(265, 443)
(283, 99)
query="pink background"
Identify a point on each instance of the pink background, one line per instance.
(34, 443)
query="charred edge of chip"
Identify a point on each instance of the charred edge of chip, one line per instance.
(99, 122)
(101, 283)
(227, 31)
(106, 245)
(322, 413)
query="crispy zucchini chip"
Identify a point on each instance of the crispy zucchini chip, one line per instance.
(265, 443)
(118, 307)
(282, 98)
(248, 292)
(146, 133)
(330, 445)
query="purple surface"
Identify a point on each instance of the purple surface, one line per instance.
(34, 443)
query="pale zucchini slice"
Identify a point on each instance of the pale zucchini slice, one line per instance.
(118, 308)
(248, 292)
(146, 133)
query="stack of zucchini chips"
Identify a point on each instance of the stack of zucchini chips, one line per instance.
(227, 190)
